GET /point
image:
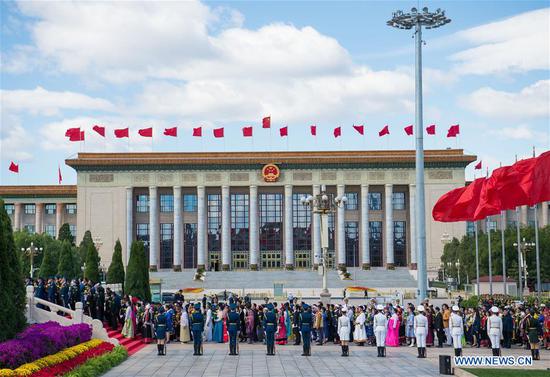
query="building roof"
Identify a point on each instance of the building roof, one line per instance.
(219, 160)
(496, 279)
(38, 191)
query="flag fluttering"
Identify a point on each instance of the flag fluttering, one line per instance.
(14, 168)
(360, 129)
(247, 131)
(171, 131)
(337, 132)
(218, 132)
(122, 132)
(453, 131)
(197, 131)
(313, 130)
(409, 130)
(283, 131)
(266, 122)
(99, 129)
(146, 132)
(478, 165)
(430, 130)
(384, 131)
(59, 176)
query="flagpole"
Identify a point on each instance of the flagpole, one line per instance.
(537, 251)
(519, 254)
(490, 257)
(477, 258)
(502, 224)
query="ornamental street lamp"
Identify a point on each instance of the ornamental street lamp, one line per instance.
(524, 247)
(430, 20)
(324, 204)
(31, 251)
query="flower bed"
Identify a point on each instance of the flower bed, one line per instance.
(41, 340)
(99, 365)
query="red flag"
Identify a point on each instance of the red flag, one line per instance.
(478, 166)
(266, 122)
(197, 131)
(122, 132)
(430, 130)
(283, 131)
(359, 129)
(453, 130)
(313, 130)
(337, 132)
(247, 131)
(99, 129)
(409, 130)
(72, 131)
(384, 131)
(77, 136)
(14, 167)
(459, 204)
(59, 177)
(540, 180)
(146, 132)
(500, 192)
(218, 132)
(171, 132)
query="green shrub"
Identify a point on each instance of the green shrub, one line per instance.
(101, 364)
(115, 274)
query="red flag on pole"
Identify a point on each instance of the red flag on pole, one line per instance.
(459, 204)
(59, 176)
(197, 131)
(359, 129)
(337, 132)
(283, 131)
(146, 132)
(99, 129)
(14, 167)
(247, 131)
(72, 131)
(171, 131)
(313, 130)
(430, 130)
(384, 131)
(453, 130)
(218, 132)
(77, 136)
(122, 132)
(409, 130)
(266, 122)
(478, 166)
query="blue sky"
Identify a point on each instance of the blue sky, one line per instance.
(230, 63)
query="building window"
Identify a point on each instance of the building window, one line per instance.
(29, 228)
(166, 245)
(214, 222)
(50, 209)
(375, 201)
(352, 203)
(400, 243)
(240, 260)
(375, 243)
(142, 203)
(239, 222)
(142, 234)
(398, 200)
(271, 223)
(72, 229)
(190, 202)
(50, 230)
(70, 209)
(331, 252)
(190, 245)
(352, 243)
(10, 208)
(166, 203)
(30, 209)
(301, 223)
(470, 228)
(271, 259)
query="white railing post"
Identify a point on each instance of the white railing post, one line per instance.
(79, 313)
(30, 303)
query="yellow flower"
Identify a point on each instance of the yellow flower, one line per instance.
(6, 373)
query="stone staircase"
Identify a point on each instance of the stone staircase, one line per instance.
(132, 345)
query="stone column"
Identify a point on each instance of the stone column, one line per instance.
(178, 229)
(316, 233)
(253, 231)
(341, 229)
(154, 242)
(58, 217)
(364, 237)
(201, 227)
(129, 221)
(412, 225)
(39, 218)
(388, 206)
(17, 216)
(288, 230)
(523, 217)
(544, 214)
(226, 229)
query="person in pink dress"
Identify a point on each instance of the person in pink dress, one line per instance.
(281, 334)
(392, 337)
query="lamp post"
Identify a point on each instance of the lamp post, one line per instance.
(31, 251)
(324, 204)
(458, 272)
(523, 246)
(407, 21)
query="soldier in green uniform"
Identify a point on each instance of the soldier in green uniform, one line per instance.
(306, 323)
(197, 326)
(533, 328)
(160, 331)
(270, 326)
(233, 321)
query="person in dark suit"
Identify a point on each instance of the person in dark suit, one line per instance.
(233, 320)
(507, 328)
(438, 327)
(197, 326)
(296, 325)
(306, 323)
(270, 326)
(160, 332)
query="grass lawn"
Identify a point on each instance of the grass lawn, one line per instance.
(499, 372)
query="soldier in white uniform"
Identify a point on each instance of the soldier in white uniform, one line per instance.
(344, 329)
(380, 324)
(457, 330)
(494, 325)
(421, 331)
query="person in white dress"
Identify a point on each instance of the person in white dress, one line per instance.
(208, 325)
(380, 324)
(360, 333)
(421, 331)
(344, 328)
(457, 330)
(494, 327)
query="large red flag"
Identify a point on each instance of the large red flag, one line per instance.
(247, 131)
(540, 191)
(283, 131)
(453, 130)
(197, 131)
(459, 204)
(122, 132)
(359, 129)
(313, 130)
(384, 131)
(99, 129)
(430, 130)
(337, 132)
(218, 132)
(499, 192)
(171, 131)
(146, 132)
(409, 130)
(266, 122)
(14, 167)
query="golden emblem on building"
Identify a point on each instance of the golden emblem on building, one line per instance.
(271, 172)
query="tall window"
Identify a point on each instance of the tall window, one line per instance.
(398, 200)
(190, 202)
(301, 223)
(49, 209)
(214, 222)
(375, 201)
(239, 222)
(271, 222)
(353, 201)
(142, 234)
(29, 228)
(70, 209)
(375, 243)
(190, 245)
(166, 203)
(470, 228)
(10, 208)
(50, 229)
(30, 209)
(166, 245)
(400, 243)
(72, 229)
(142, 203)
(352, 243)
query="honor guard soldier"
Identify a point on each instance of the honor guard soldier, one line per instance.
(233, 322)
(380, 324)
(160, 332)
(421, 331)
(270, 326)
(197, 326)
(532, 325)
(457, 330)
(306, 323)
(344, 330)
(494, 324)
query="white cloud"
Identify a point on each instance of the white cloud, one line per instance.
(530, 102)
(44, 102)
(15, 141)
(521, 132)
(517, 44)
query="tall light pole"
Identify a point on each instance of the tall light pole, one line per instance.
(31, 251)
(407, 21)
(523, 246)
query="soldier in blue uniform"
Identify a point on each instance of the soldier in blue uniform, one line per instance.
(197, 326)
(160, 331)
(233, 320)
(270, 326)
(306, 323)
(65, 293)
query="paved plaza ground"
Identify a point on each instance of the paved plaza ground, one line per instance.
(325, 361)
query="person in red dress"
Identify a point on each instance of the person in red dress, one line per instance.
(281, 333)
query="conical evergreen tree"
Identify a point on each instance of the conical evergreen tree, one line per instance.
(12, 291)
(85, 246)
(137, 273)
(91, 271)
(65, 234)
(115, 275)
(48, 268)
(65, 267)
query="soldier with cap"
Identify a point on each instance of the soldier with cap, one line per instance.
(344, 329)
(306, 323)
(533, 328)
(160, 331)
(197, 326)
(494, 326)
(270, 327)
(421, 331)
(233, 321)
(457, 329)
(380, 324)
